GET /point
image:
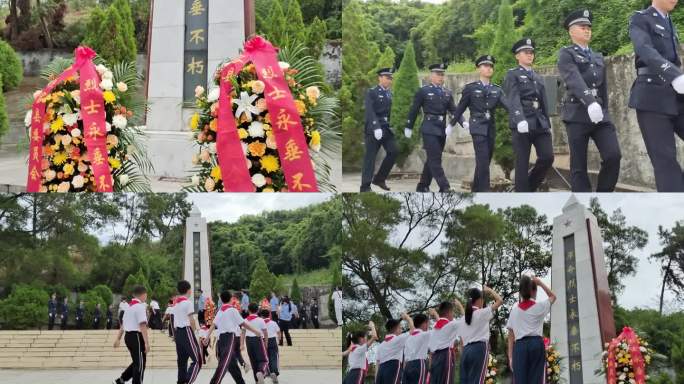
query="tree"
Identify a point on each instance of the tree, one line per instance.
(104, 293)
(295, 292)
(406, 84)
(262, 281)
(90, 300)
(11, 69)
(621, 242)
(110, 34)
(4, 121)
(25, 308)
(134, 280)
(678, 357)
(671, 259)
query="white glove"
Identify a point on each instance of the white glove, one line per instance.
(595, 112)
(523, 127)
(678, 84)
(449, 129)
(408, 133)
(378, 134)
(466, 125)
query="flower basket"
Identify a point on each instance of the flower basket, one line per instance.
(627, 359)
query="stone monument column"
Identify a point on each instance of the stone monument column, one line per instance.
(582, 317)
(196, 260)
(188, 39)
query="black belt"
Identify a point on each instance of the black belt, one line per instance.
(575, 100)
(132, 331)
(430, 116)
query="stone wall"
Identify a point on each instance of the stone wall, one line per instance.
(636, 169)
(34, 61)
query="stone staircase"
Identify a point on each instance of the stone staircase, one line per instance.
(93, 349)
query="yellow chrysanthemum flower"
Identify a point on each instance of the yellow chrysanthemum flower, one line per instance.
(59, 158)
(109, 97)
(315, 138)
(57, 125)
(194, 121)
(114, 162)
(243, 133)
(301, 107)
(68, 169)
(216, 173)
(270, 163)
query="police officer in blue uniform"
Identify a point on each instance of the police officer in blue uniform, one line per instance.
(526, 97)
(65, 314)
(658, 91)
(378, 104)
(52, 311)
(585, 107)
(481, 98)
(436, 101)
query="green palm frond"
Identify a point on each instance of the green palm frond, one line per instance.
(309, 73)
(55, 68)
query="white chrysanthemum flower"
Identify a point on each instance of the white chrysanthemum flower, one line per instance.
(108, 127)
(119, 121)
(70, 119)
(123, 179)
(107, 84)
(259, 180)
(199, 91)
(283, 65)
(108, 75)
(100, 69)
(213, 95)
(75, 132)
(78, 181)
(27, 118)
(195, 180)
(122, 87)
(256, 129)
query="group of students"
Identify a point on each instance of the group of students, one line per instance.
(424, 355)
(256, 333)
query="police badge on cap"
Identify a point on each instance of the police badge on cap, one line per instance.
(486, 59)
(523, 44)
(579, 17)
(389, 72)
(437, 68)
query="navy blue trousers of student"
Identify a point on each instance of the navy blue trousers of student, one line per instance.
(529, 360)
(258, 357)
(136, 346)
(238, 352)
(354, 376)
(389, 372)
(442, 369)
(187, 347)
(474, 363)
(415, 372)
(227, 359)
(273, 356)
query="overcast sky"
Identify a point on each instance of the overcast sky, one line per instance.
(646, 211)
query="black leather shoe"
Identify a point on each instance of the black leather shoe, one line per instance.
(365, 189)
(382, 185)
(448, 190)
(422, 189)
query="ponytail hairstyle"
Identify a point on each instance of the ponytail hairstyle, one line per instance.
(391, 325)
(354, 338)
(527, 287)
(474, 294)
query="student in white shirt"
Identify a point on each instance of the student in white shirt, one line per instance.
(187, 346)
(356, 355)
(416, 352)
(228, 319)
(274, 336)
(256, 344)
(474, 332)
(525, 329)
(442, 340)
(134, 324)
(390, 351)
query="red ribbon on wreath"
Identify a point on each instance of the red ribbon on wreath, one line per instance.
(287, 125)
(633, 345)
(92, 115)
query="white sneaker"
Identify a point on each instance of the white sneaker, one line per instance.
(274, 377)
(260, 378)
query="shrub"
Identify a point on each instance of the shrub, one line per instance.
(25, 308)
(10, 67)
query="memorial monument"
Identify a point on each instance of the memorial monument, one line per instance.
(196, 260)
(582, 318)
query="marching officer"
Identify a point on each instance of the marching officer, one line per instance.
(585, 108)
(65, 314)
(378, 104)
(97, 316)
(52, 311)
(526, 97)
(658, 91)
(436, 101)
(481, 98)
(80, 315)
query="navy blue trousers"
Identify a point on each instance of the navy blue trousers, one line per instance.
(227, 359)
(415, 372)
(273, 356)
(474, 363)
(389, 372)
(258, 357)
(442, 369)
(529, 360)
(187, 347)
(355, 376)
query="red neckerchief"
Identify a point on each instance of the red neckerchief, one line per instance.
(267, 321)
(415, 332)
(354, 347)
(389, 337)
(180, 299)
(134, 302)
(251, 317)
(441, 323)
(526, 304)
(225, 307)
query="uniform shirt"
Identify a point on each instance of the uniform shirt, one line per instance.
(444, 334)
(478, 329)
(435, 101)
(526, 96)
(272, 328)
(134, 315)
(378, 105)
(274, 303)
(392, 348)
(287, 310)
(182, 311)
(529, 321)
(244, 301)
(52, 307)
(154, 305)
(123, 306)
(357, 357)
(169, 310)
(416, 347)
(481, 100)
(201, 303)
(256, 322)
(228, 319)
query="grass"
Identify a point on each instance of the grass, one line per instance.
(317, 277)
